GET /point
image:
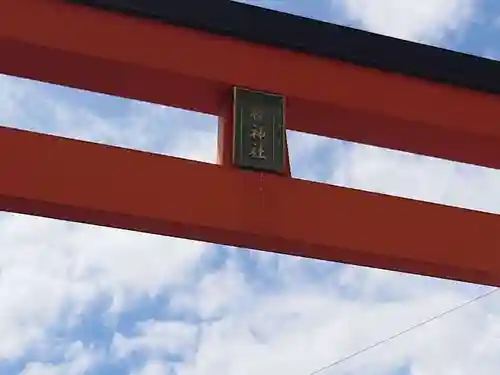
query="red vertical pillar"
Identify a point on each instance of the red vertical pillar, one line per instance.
(225, 133)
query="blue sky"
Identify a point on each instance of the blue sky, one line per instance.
(78, 299)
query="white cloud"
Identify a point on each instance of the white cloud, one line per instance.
(214, 294)
(78, 361)
(154, 367)
(496, 22)
(28, 105)
(297, 330)
(158, 338)
(54, 264)
(422, 20)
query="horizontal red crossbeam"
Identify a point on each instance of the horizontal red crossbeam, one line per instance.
(72, 45)
(103, 185)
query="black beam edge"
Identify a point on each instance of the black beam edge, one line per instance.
(263, 26)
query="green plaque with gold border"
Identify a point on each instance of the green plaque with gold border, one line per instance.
(259, 131)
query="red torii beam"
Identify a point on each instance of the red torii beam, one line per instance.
(444, 105)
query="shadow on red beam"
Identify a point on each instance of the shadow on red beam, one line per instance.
(84, 182)
(81, 47)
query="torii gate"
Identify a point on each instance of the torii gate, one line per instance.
(336, 81)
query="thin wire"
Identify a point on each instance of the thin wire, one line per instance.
(436, 317)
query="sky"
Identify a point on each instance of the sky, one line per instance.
(79, 299)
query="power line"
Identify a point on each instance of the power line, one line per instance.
(436, 317)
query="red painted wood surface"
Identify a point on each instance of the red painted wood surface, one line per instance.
(110, 186)
(52, 41)
(135, 58)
